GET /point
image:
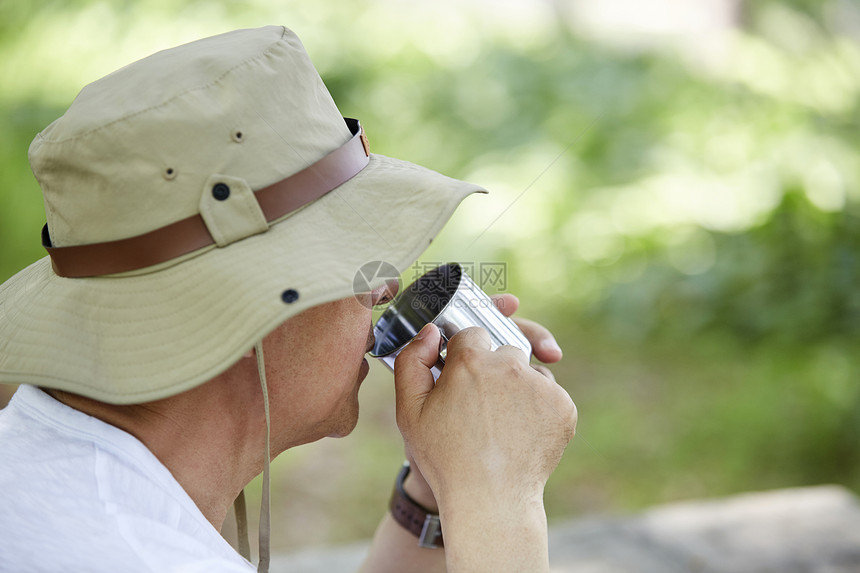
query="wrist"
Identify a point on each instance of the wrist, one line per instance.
(507, 507)
(492, 495)
(412, 515)
(418, 489)
(512, 531)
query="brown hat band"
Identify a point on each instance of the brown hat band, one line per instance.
(191, 234)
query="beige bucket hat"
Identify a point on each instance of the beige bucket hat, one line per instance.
(195, 200)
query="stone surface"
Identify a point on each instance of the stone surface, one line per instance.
(803, 530)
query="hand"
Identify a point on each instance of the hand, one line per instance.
(544, 348)
(491, 427)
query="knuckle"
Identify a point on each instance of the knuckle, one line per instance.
(544, 371)
(573, 417)
(471, 358)
(509, 367)
(562, 404)
(563, 399)
(474, 333)
(513, 351)
(468, 354)
(569, 414)
(517, 367)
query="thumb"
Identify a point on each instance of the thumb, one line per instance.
(412, 377)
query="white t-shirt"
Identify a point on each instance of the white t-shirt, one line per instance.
(79, 495)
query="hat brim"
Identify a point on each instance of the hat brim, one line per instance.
(144, 337)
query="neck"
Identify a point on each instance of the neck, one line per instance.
(222, 434)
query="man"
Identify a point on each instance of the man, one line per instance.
(207, 208)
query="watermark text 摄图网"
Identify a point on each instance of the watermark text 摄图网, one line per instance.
(490, 276)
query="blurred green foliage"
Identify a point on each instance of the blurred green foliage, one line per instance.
(689, 229)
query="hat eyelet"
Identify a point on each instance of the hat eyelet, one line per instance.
(169, 173)
(290, 296)
(237, 136)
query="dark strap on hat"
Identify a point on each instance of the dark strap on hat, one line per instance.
(191, 234)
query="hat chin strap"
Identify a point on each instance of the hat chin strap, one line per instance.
(239, 506)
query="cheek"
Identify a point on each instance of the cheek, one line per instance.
(320, 351)
(329, 329)
(345, 344)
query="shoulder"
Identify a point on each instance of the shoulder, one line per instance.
(77, 496)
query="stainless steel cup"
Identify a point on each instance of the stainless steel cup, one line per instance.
(448, 298)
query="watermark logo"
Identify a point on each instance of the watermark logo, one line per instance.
(371, 273)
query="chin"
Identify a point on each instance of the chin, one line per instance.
(346, 421)
(344, 430)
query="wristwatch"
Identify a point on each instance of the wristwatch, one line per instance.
(414, 517)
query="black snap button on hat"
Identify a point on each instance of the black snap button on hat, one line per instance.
(221, 191)
(290, 295)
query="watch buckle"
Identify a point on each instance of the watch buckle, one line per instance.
(430, 532)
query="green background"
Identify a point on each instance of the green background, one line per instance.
(686, 225)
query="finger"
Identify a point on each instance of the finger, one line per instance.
(412, 377)
(544, 346)
(472, 337)
(506, 303)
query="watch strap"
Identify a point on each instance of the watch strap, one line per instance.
(414, 517)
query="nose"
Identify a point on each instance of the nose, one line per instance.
(384, 293)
